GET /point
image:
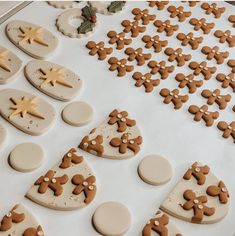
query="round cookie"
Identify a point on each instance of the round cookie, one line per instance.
(3, 134)
(155, 170)
(112, 219)
(77, 113)
(63, 4)
(26, 157)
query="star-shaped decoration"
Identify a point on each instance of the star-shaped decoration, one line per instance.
(25, 106)
(54, 76)
(31, 35)
(3, 59)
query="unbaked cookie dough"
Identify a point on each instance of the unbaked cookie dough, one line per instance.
(10, 65)
(112, 219)
(29, 113)
(155, 170)
(20, 222)
(63, 4)
(3, 134)
(26, 157)
(67, 186)
(77, 113)
(54, 80)
(32, 39)
(87, 27)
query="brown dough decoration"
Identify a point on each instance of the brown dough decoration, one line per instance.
(70, 158)
(120, 66)
(160, 68)
(188, 81)
(214, 53)
(138, 55)
(198, 172)
(228, 129)
(157, 224)
(50, 181)
(231, 63)
(226, 80)
(166, 26)
(99, 49)
(189, 39)
(219, 191)
(133, 27)
(202, 24)
(174, 97)
(125, 143)
(213, 9)
(146, 81)
(159, 4)
(154, 42)
(225, 36)
(121, 119)
(143, 15)
(87, 186)
(197, 204)
(34, 231)
(215, 97)
(178, 12)
(11, 217)
(202, 68)
(203, 113)
(232, 20)
(176, 55)
(94, 145)
(118, 39)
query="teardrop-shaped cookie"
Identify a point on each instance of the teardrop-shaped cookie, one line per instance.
(54, 80)
(29, 113)
(67, 186)
(19, 221)
(199, 197)
(10, 65)
(118, 137)
(32, 39)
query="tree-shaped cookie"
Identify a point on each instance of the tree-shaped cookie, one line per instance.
(154, 42)
(228, 129)
(143, 15)
(202, 68)
(215, 53)
(189, 39)
(118, 39)
(202, 24)
(133, 27)
(226, 80)
(160, 68)
(225, 36)
(213, 9)
(99, 49)
(166, 26)
(138, 55)
(179, 13)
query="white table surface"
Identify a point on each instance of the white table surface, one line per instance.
(170, 133)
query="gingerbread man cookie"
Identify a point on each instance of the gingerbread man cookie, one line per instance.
(143, 15)
(215, 97)
(232, 20)
(118, 39)
(213, 9)
(177, 55)
(202, 68)
(178, 12)
(189, 39)
(99, 49)
(215, 53)
(160, 68)
(188, 81)
(154, 42)
(119, 65)
(174, 97)
(231, 63)
(133, 27)
(203, 113)
(202, 24)
(191, 3)
(225, 36)
(226, 80)
(138, 55)
(159, 4)
(219, 191)
(166, 26)
(146, 81)
(228, 129)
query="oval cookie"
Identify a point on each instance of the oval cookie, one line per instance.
(67, 186)
(63, 4)
(10, 64)
(32, 39)
(54, 80)
(26, 112)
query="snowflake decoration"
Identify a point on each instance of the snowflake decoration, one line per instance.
(3, 59)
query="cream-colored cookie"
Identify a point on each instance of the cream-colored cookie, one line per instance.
(77, 113)
(32, 39)
(118, 137)
(160, 224)
(29, 113)
(3, 134)
(10, 65)
(20, 222)
(54, 80)
(26, 157)
(63, 4)
(155, 170)
(199, 197)
(112, 219)
(69, 185)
